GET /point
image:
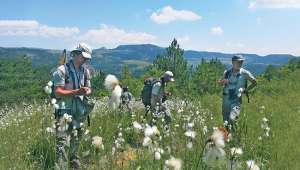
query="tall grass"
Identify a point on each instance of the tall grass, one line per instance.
(25, 143)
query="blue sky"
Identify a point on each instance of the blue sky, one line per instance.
(251, 26)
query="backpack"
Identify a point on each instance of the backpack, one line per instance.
(147, 90)
(228, 74)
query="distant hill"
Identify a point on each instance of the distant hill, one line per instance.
(137, 57)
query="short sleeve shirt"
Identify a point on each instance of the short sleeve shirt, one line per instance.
(61, 78)
(238, 80)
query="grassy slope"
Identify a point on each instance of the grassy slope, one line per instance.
(26, 145)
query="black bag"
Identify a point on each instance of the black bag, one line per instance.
(89, 104)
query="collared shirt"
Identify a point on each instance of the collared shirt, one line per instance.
(60, 78)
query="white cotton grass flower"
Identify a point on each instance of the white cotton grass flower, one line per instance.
(213, 156)
(75, 132)
(50, 83)
(218, 138)
(97, 142)
(110, 82)
(160, 150)
(190, 125)
(86, 132)
(150, 131)
(147, 141)
(189, 145)
(190, 133)
(157, 155)
(50, 130)
(53, 101)
(265, 119)
(67, 118)
(47, 90)
(236, 151)
(136, 125)
(115, 98)
(56, 106)
(251, 165)
(225, 123)
(204, 130)
(174, 163)
(240, 92)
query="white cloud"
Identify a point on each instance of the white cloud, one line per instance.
(168, 14)
(252, 5)
(183, 39)
(274, 4)
(18, 24)
(34, 28)
(216, 30)
(111, 36)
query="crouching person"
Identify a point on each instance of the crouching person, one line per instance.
(72, 84)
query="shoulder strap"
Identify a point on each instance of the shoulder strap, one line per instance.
(67, 74)
(227, 73)
(85, 75)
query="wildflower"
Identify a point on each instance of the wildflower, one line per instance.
(53, 101)
(50, 130)
(97, 142)
(136, 125)
(265, 119)
(157, 155)
(190, 125)
(47, 90)
(225, 123)
(75, 132)
(218, 138)
(174, 163)
(50, 83)
(204, 130)
(236, 151)
(160, 150)
(56, 106)
(189, 145)
(213, 156)
(86, 132)
(190, 133)
(150, 131)
(240, 92)
(147, 141)
(251, 165)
